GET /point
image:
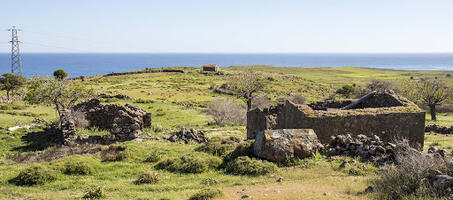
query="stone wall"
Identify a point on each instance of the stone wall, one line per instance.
(387, 123)
(123, 122)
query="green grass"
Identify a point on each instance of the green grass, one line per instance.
(178, 100)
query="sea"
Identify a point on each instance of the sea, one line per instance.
(77, 64)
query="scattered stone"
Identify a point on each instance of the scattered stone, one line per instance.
(188, 135)
(369, 189)
(432, 149)
(368, 148)
(439, 129)
(280, 144)
(443, 185)
(39, 121)
(118, 96)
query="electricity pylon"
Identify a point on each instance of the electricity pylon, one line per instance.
(16, 62)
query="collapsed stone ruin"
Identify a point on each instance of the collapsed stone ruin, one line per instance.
(123, 122)
(384, 114)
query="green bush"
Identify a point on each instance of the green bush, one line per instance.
(242, 149)
(190, 163)
(154, 156)
(209, 181)
(130, 151)
(207, 194)
(15, 105)
(79, 165)
(34, 175)
(147, 177)
(346, 91)
(246, 166)
(219, 146)
(95, 192)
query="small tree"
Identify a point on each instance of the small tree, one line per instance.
(11, 83)
(60, 74)
(429, 92)
(62, 94)
(246, 84)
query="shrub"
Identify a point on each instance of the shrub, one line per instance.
(346, 91)
(209, 181)
(34, 175)
(207, 194)
(190, 163)
(147, 177)
(60, 74)
(154, 156)
(79, 165)
(219, 146)
(242, 149)
(246, 166)
(95, 192)
(410, 177)
(226, 111)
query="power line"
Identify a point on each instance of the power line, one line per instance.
(52, 46)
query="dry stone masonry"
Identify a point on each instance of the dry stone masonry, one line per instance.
(383, 114)
(123, 122)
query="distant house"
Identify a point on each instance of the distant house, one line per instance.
(210, 67)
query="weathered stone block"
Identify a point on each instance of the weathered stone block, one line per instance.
(280, 144)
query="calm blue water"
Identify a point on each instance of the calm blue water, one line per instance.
(94, 64)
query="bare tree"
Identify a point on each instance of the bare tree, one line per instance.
(246, 84)
(226, 111)
(429, 92)
(62, 94)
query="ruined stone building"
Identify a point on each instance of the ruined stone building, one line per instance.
(386, 115)
(123, 122)
(210, 68)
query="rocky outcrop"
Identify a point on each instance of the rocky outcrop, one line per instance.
(281, 144)
(187, 136)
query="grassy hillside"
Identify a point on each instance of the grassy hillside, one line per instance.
(178, 100)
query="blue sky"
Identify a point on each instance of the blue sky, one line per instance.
(230, 26)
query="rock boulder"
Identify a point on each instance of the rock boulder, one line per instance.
(279, 144)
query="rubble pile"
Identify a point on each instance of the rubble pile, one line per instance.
(186, 136)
